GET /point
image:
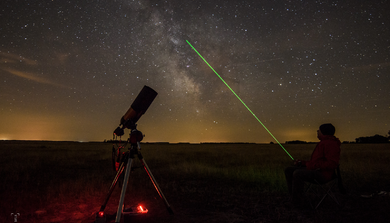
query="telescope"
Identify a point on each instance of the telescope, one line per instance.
(122, 161)
(136, 110)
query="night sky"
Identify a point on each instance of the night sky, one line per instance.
(69, 70)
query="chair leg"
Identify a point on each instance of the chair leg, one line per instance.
(332, 195)
(323, 197)
(328, 192)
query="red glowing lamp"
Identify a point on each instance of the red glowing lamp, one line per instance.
(135, 210)
(142, 210)
(100, 214)
(100, 217)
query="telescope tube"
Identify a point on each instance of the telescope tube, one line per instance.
(139, 106)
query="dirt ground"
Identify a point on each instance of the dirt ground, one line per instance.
(216, 201)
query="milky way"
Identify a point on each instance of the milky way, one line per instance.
(70, 69)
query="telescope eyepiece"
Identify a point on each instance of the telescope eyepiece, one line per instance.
(119, 131)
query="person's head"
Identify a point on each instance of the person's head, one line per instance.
(326, 129)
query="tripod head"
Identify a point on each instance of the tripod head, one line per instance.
(135, 136)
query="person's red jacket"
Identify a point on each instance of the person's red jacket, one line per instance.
(325, 157)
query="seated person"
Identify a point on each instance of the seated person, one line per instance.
(321, 166)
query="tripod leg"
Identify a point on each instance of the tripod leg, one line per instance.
(155, 184)
(114, 182)
(123, 192)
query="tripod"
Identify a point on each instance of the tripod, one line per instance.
(126, 163)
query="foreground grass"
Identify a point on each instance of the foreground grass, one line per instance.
(39, 175)
(260, 165)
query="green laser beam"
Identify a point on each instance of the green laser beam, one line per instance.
(239, 99)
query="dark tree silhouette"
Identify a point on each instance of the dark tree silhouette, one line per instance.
(373, 139)
(296, 142)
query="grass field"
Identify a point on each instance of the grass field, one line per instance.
(68, 182)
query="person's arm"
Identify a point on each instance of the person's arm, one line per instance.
(326, 158)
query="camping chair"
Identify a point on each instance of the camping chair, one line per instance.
(327, 188)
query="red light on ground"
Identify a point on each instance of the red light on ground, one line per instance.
(135, 210)
(100, 217)
(142, 210)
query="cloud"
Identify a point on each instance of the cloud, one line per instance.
(13, 58)
(32, 77)
(8, 58)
